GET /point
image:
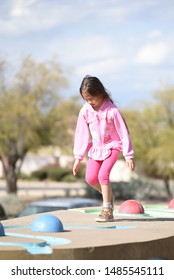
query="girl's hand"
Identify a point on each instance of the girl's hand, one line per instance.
(130, 163)
(76, 166)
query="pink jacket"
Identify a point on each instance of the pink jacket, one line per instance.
(100, 131)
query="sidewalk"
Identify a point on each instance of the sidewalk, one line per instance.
(45, 188)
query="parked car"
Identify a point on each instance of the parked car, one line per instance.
(3, 215)
(54, 204)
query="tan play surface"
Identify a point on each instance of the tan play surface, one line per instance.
(129, 237)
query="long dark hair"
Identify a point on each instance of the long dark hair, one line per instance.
(94, 87)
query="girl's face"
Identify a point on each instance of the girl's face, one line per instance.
(94, 101)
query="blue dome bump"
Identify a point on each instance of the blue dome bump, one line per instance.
(47, 223)
(2, 232)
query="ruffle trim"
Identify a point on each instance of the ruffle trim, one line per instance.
(99, 153)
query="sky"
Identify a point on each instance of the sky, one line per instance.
(127, 44)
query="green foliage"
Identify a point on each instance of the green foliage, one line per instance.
(12, 204)
(40, 174)
(56, 173)
(152, 133)
(66, 114)
(69, 178)
(27, 112)
(139, 189)
(26, 107)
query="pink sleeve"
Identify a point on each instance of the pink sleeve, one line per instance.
(82, 137)
(123, 133)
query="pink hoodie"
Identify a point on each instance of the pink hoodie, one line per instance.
(100, 131)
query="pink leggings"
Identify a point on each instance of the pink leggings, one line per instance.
(98, 171)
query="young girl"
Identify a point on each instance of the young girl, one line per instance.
(100, 130)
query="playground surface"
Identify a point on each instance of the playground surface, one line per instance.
(129, 237)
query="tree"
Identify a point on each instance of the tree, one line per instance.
(161, 156)
(64, 128)
(152, 133)
(25, 107)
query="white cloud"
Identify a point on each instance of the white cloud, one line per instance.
(108, 66)
(154, 34)
(153, 53)
(21, 8)
(91, 48)
(34, 15)
(98, 37)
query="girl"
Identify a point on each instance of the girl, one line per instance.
(100, 130)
